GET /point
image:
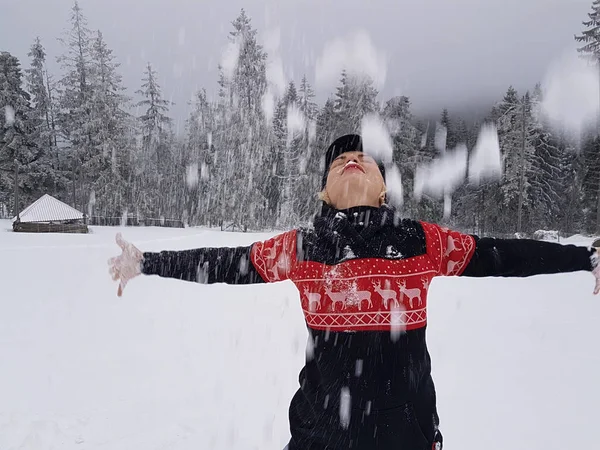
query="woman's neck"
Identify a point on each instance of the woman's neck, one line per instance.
(347, 204)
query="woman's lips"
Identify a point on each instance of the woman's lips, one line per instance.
(353, 166)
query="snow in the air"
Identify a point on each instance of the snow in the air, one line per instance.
(204, 171)
(345, 407)
(393, 184)
(357, 54)
(443, 174)
(296, 123)
(9, 115)
(275, 74)
(312, 130)
(191, 175)
(398, 320)
(358, 368)
(268, 104)
(376, 138)
(485, 161)
(570, 92)
(230, 57)
(91, 203)
(441, 133)
(424, 140)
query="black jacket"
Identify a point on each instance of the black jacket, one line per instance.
(363, 276)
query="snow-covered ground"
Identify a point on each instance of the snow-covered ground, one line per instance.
(176, 365)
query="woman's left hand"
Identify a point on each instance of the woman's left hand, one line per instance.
(596, 271)
(127, 265)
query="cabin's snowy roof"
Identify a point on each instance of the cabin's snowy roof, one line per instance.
(48, 209)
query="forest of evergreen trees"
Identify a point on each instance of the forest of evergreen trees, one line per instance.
(74, 135)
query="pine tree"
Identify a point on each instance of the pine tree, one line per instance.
(448, 124)
(406, 140)
(590, 50)
(46, 173)
(199, 161)
(355, 98)
(306, 102)
(36, 85)
(547, 170)
(590, 38)
(243, 176)
(155, 159)
(17, 148)
(514, 132)
(110, 164)
(310, 176)
(74, 117)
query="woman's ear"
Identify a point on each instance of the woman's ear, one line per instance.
(382, 197)
(324, 196)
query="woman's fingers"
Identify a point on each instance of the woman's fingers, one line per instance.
(123, 267)
(120, 241)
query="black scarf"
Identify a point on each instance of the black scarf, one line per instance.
(354, 227)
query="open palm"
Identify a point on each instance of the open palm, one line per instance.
(127, 265)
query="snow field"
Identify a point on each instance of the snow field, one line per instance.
(176, 365)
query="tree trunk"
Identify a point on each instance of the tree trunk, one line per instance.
(522, 169)
(17, 210)
(598, 208)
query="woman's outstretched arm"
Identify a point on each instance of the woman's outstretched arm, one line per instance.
(266, 261)
(467, 255)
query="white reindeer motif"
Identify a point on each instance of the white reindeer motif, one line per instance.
(270, 253)
(314, 299)
(451, 246)
(426, 281)
(386, 295)
(361, 296)
(451, 266)
(336, 297)
(410, 293)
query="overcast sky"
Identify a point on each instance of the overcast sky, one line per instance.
(441, 53)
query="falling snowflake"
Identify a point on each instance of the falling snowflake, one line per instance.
(9, 114)
(345, 402)
(397, 321)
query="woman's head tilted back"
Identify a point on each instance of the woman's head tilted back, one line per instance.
(352, 178)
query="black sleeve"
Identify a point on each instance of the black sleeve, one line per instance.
(231, 265)
(525, 257)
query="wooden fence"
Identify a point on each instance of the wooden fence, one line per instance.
(133, 221)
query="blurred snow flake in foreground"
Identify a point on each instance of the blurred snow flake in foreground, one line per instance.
(312, 131)
(345, 403)
(310, 348)
(441, 134)
(356, 54)
(358, 368)
(376, 138)
(398, 322)
(393, 184)
(485, 160)
(443, 174)
(570, 92)
(230, 57)
(204, 174)
(9, 115)
(191, 175)
(296, 123)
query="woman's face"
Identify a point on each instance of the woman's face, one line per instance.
(354, 179)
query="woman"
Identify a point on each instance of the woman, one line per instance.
(363, 275)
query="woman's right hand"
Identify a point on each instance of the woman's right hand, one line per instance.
(127, 265)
